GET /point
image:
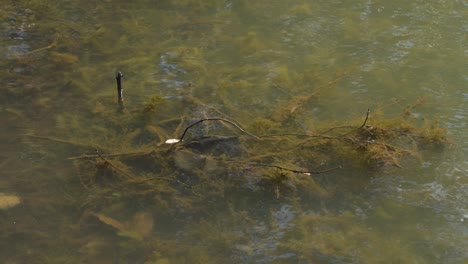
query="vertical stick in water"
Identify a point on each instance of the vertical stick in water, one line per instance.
(119, 87)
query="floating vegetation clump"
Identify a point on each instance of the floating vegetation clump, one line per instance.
(214, 156)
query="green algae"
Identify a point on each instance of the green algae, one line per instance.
(344, 237)
(117, 163)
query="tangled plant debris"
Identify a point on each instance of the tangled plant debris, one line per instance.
(204, 158)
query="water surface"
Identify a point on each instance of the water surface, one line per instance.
(273, 66)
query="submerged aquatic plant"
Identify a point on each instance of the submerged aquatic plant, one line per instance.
(155, 183)
(191, 165)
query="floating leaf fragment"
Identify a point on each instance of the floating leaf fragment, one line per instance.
(140, 227)
(8, 201)
(172, 141)
(110, 221)
(142, 224)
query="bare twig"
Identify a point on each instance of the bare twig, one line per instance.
(367, 117)
(363, 124)
(322, 134)
(53, 44)
(216, 119)
(120, 89)
(351, 127)
(283, 168)
(58, 140)
(211, 119)
(311, 137)
(113, 166)
(87, 156)
(284, 135)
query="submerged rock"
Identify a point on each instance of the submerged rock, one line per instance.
(17, 50)
(216, 145)
(198, 154)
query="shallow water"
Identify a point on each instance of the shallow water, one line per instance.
(248, 61)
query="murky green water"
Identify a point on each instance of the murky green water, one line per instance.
(97, 185)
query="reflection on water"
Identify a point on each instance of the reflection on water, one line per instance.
(282, 66)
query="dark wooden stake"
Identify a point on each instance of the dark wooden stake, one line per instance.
(367, 117)
(119, 88)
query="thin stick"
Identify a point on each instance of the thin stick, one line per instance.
(140, 153)
(57, 140)
(284, 135)
(51, 45)
(367, 117)
(363, 124)
(120, 89)
(333, 128)
(216, 119)
(283, 168)
(210, 119)
(312, 137)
